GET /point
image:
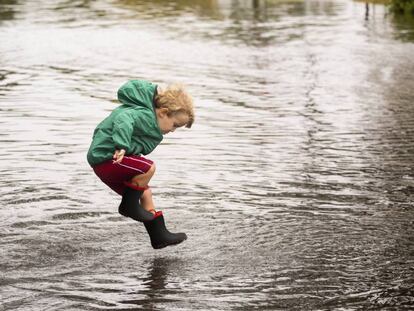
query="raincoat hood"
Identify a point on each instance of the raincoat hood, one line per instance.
(137, 93)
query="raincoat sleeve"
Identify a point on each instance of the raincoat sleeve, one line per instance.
(123, 127)
(128, 123)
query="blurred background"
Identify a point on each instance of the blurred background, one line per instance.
(295, 184)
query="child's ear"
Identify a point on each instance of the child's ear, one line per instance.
(162, 112)
(165, 110)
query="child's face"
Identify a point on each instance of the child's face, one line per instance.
(170, 123)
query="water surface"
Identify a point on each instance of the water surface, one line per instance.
(295, 185)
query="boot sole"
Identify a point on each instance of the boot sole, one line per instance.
(159, 246)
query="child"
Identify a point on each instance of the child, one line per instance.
(134, 128)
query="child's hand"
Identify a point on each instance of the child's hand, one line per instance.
(118, 155)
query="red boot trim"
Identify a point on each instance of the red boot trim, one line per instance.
(157, 214)
(130, 185)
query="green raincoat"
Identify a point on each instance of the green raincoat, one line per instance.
(132, 126)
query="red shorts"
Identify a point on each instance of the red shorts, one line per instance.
(114, 175)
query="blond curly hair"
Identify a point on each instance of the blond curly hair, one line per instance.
(176, 99)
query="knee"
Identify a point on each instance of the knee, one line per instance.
(151, 171)
(143, 179)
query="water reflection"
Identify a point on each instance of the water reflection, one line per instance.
(257, 23)
(155, 284)
(7, 10)
(404, 27)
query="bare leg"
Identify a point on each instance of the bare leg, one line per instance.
(143, 179)
(146, 201)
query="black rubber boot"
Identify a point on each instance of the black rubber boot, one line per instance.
(131, 207)
(159, 235)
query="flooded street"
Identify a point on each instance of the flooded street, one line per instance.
(295, 185)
